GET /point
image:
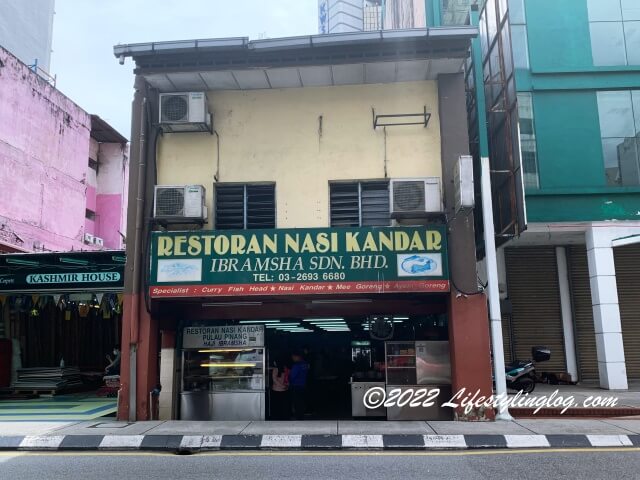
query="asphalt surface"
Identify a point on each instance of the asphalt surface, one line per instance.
(522, 465)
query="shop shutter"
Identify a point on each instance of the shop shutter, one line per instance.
(375, 204)
(627, 260)
(507, 343)
(261, 206)
(344, 201)
(532, 284)
(585, 336)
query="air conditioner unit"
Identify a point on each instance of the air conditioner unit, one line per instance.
(98, 241)
(418, 196)
(185, 112)
(180, 203)
(88, 238)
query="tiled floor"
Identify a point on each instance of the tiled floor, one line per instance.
(57, 408)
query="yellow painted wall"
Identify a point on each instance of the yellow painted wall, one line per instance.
(274, 135)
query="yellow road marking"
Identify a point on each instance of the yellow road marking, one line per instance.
(381, 453)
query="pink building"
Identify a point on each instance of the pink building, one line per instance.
(63, 172)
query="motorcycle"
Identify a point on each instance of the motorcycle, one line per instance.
(522, 375)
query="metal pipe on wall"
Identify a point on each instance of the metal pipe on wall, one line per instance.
(495, 317)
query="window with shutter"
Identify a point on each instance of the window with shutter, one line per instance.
(240, 206)
(355, 204)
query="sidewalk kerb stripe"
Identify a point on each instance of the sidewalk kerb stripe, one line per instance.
(281, 441)
(609, 441)
(362, 441)
(444, 441)
(43, 442)
(121, 442)
(527, 441)
(191, 442)
(211, 442)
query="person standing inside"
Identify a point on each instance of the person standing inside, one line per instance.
(298, 385)
(280, 391)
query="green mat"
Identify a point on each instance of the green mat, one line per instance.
(59, 408)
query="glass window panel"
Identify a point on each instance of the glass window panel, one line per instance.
(635, 95)
(506, 50)
(611, 164)
(492, 26)
(520, 47)
(630, 10)
(604, 10)
(628, 162)
(616, 114)
(516, 12)
(632, 40)
(502, 8)
(607, 43)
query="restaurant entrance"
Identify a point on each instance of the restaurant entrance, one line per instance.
(314, 367)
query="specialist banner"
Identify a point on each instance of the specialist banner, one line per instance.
(299, 261)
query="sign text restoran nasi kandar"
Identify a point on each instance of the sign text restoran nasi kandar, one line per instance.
(321, 242)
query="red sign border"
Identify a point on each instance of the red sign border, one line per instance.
(302, 288)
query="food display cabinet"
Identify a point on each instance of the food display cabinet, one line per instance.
(414, 366)
(223, 384)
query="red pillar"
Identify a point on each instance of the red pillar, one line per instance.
(146, 359)
(470, 351)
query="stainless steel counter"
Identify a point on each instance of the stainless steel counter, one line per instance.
(231, 405)
(358, 391)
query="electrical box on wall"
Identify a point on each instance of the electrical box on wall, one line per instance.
(463, 183)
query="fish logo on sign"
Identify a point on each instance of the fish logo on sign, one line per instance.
(420, 265)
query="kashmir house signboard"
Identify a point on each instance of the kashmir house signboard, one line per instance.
(299, 261)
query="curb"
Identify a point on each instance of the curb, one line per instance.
(202, 443)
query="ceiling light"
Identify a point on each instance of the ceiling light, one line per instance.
(259, 321)
(24, 263)
(400, 318)
(324, 320)
(74, 261)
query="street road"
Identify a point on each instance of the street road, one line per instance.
(521, 465)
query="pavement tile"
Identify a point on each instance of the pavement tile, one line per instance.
(317, 427)
(321, 442)
(184, 427)
(630, 425)
(372, 427)
(81, 442)
(238, 442)
(485, 441)
(404, 441)
(550, 426)
(568, 441)
(478, 428)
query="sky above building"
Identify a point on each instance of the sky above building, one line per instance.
(85, 31)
